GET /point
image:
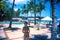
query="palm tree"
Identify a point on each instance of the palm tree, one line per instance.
(11, 14)
(3, 5)
(32, 7)
(36, 7)
(34, 11)
(41, 6)
(25, 10)
(17, 13)
(54, 19)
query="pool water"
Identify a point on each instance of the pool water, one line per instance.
(7, 22)
(13, 22)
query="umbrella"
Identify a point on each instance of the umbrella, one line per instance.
(47, 18)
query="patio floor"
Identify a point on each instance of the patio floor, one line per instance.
(18, 35)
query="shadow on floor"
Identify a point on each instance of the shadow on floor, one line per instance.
(39, 37)
(12, 29)
(1, 38)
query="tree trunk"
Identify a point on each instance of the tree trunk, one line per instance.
(40, 19)
(11, 14)
(34, 12)
(40, 16)
(35, 17)
(54, 21)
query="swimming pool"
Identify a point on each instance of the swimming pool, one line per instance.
(8, 22)
(13, 22)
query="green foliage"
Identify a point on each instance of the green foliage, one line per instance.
(17, 14)
(25, 9)
(38, 7)
(3, 6)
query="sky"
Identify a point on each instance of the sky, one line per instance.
(44, 13)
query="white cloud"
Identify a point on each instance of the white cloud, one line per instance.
(29, 13)
(15, 9)
(19, 1)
